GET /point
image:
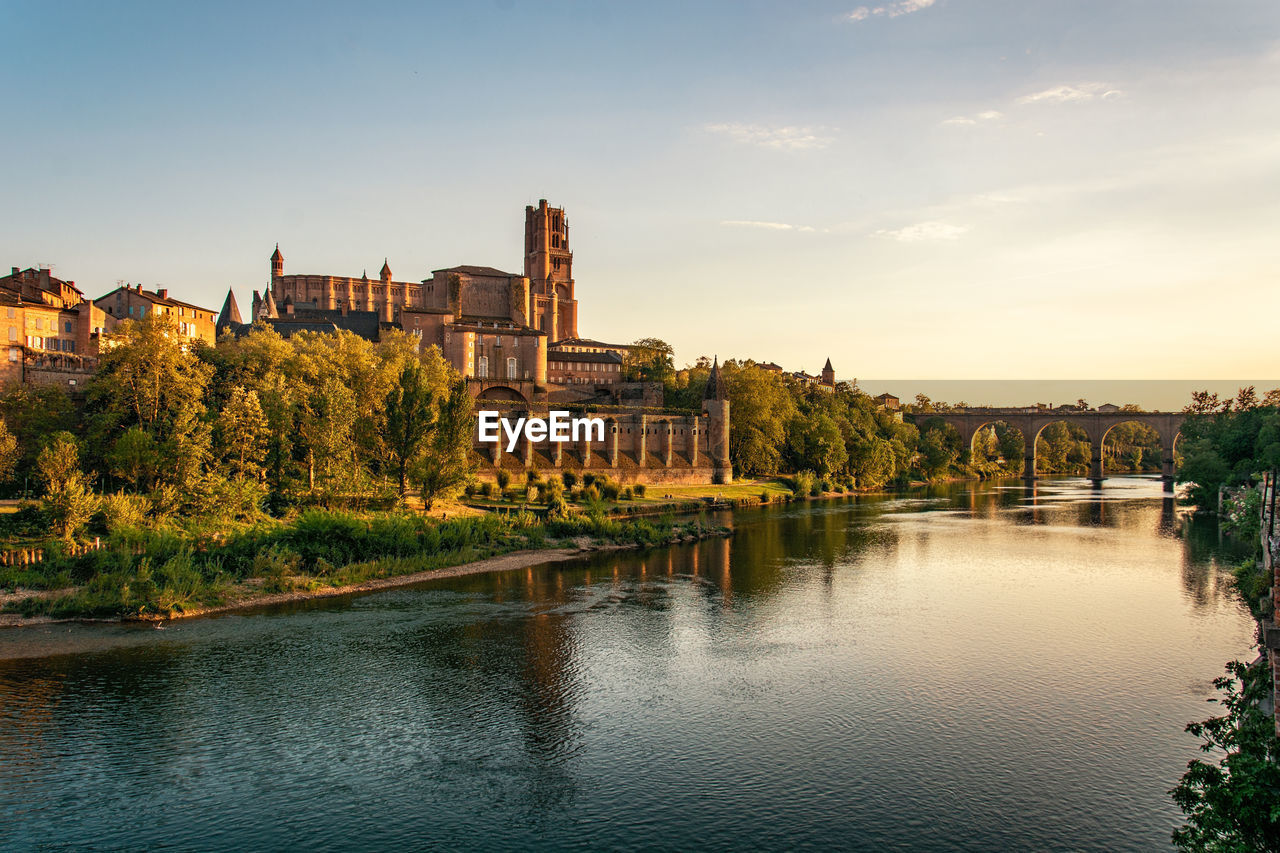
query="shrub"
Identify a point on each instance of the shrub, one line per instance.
(470, 488)
(552, 490)
(531, 477)
(490, 490)
(116, 511)
(531, 493)
(628, 494)
(609, 490)
(504, 479)
(557, 508)
(640, 489)
(764, 497)
(570, 479)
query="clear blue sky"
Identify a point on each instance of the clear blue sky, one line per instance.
(955, 188)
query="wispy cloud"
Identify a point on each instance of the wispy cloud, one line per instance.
(967, 121)
(889, 10)
(782, 138)
(923, 231)
(1079, 93)
(770, 226)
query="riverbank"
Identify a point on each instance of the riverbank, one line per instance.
(148, 576)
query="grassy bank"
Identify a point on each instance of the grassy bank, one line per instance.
(146, 574)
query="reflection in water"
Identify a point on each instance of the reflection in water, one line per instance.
(1004, 665)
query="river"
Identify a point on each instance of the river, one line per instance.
(969, 667)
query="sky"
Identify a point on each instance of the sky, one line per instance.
(944, 189)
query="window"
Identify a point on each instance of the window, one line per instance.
(39, 322)
(482, 367)
(68, 327)
(511, 369)
(14, 353)
(12, 314)
(13, 333)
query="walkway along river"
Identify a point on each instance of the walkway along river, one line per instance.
(973, 667)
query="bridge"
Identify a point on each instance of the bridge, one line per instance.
(1096, 424)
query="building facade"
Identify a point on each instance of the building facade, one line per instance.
(131, 302)
(49, 330)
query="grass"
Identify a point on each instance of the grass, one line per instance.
(158, 573)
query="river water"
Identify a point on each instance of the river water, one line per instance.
(974, 667)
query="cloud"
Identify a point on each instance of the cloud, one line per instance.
(1078, 94)
(783, 138)
(923, 231)
(890, 10)
(967, 121)
(770, 226)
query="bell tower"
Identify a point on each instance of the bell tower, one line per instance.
(548, 264)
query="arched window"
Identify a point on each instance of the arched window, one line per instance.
(482, 367)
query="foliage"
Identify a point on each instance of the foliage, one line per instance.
(1234, 804)
(649, 360)
(68, 501)
(1230, 443)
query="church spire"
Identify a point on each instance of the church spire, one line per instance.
(385, 275)
(230, 314)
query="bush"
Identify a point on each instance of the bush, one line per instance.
(531, 477)
(628, 494)
(490, 490)
(552, 490)
(504, 479)
(764, 497)
(119, 510)
(640, 489)
(470, 488)
(531, 493)
(570, 479)
(557, 508)
(609, 490)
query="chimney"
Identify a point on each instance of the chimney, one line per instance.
(163, 293)
(15, 271)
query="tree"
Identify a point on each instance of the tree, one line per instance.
(410, 419)
(1234, 805)
(8, 452)
(328, 416)
(445, 464)
(67, 498)
(135, 458)
(242, 431)
(148, 377)
(649, 360)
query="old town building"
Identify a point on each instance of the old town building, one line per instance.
(50, 331)
(131, 302)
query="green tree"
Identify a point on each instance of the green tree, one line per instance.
(328, 418)
(242, 431)
(135, 458)
(445, 465)
(8, 452)
(67, 500)
(1233, 806)
(411, 414)
(649, 360)
(149, 377)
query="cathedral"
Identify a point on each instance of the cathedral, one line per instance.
(514, 337)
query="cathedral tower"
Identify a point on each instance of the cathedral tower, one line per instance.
(548, 264)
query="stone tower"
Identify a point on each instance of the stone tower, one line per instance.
(715, 403)
(548, 264)
(277, 263)
(829, 374)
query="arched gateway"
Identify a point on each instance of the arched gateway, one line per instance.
(1096, 424)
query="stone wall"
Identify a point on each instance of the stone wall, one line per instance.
(638, 447)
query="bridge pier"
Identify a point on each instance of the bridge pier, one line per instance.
(1095, 464)
(1029, 458)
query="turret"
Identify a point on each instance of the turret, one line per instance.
(385, 275)
(715, 404)
(230, 314)
(829, 375)
(277, 263)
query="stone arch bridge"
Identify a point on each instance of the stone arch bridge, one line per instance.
(1030, 422)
